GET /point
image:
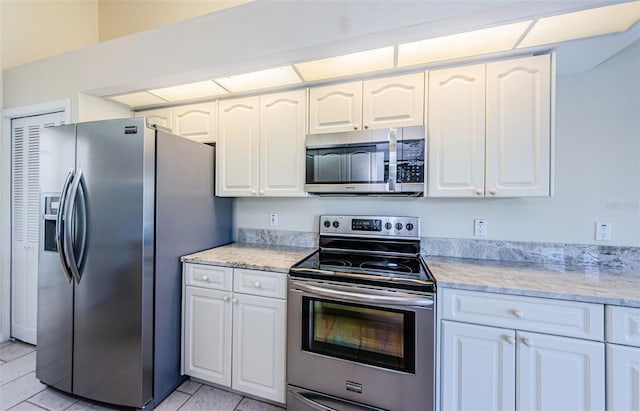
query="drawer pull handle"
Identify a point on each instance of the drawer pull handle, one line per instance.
(225, 298)
(205, 278)
(518, 313)
(526, 341)
(509, 339)
(257, 284)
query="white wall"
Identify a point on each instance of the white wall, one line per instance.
(92, 108)
(597, 175)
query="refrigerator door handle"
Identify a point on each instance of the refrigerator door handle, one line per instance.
(68, 227)
(60, 221)
(82, 227)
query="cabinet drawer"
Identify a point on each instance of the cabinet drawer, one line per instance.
(263, 283)
(568, 318)
(209, 276)
(623, 325)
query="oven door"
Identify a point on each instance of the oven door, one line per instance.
(375, 346)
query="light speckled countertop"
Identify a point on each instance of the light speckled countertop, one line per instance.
(577, 283)
(253, 256)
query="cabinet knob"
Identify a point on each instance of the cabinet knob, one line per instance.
(509, 339)
(518, 313)
(225, 298)
(261, 193)
(492, 191)
(526, 341)
(253, 192)
(205, 278)
(478, 192)
(257, 284)
(234, 300)
(355, 127)
(366, 127)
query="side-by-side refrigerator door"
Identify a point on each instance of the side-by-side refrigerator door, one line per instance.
(55, 286)
(113, 298)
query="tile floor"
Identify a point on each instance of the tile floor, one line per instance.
(21, 391)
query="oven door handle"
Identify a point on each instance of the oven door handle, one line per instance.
(365, 298)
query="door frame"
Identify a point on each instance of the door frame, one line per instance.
(5, 199)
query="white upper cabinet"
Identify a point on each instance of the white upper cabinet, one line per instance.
(160, 116)
(261, 145)
(456, 132)
(519, 127)
(238, 150)
(393, 102)
(489, 129)
(196, 121)
(372, 104)
(282, 150)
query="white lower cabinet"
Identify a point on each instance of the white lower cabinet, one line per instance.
(488, 367)
(623, 358)
(233, 339)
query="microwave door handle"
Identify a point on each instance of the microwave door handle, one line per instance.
(393, 159)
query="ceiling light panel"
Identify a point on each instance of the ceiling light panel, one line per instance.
(347, 65)
(138, 99)
(471, 43)
(280, 76)
(190, 91)
(586, 23)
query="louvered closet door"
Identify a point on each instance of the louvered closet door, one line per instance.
(25, 221)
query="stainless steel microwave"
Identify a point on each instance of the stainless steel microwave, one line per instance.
(389, 161)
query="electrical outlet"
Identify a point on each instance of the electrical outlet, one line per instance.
(480, 227)
(273, 219)
(603, 231)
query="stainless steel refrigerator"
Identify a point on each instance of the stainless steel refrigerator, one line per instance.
(121, 202)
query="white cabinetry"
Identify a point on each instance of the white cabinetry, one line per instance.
(508, 359)
(381, 103)
(261, 145)
(623, 358)
(234, 329)
(490, 129)
(196, 121)
(160, 116)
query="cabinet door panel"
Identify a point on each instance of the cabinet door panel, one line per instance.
(259, 333)
(196, 121)
(160, 116)
(393, 102)
(282, 150)
(238, 150)
(559, 373)
(336, 108)
(519, 127)
(207, 342)
(478, 367)
(623, 378)
(456, 130)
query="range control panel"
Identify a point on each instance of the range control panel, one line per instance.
(379, 226)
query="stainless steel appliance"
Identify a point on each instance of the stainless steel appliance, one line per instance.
(361, 319)
(122, 202)
(390, 161)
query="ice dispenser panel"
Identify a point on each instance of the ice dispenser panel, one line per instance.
(51, 204)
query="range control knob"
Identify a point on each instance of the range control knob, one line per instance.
(409, 226)
(327, 223)
(388, 226)
(336, 224)
(398, 226)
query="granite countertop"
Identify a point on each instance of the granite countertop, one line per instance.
(253, 256)
(577, 283)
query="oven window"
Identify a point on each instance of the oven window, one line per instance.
(383, 337)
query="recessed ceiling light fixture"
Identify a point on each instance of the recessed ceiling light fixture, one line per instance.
(138, 99)
(190, 91)
(348, 64)
(471, 43)
(581, 24)
(279, 76)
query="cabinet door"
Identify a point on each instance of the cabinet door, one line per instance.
(559, 373)
(259, 346)
(623, 378)
(282, 150)
(478, 367)
(519, 127)
(196, 121)
(160, 116)
(456, 130)
(393, 102)
(237, 151)
(207, 335)
(336, 108)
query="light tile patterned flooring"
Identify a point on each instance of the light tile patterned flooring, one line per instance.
(21, 391)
